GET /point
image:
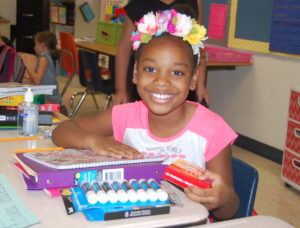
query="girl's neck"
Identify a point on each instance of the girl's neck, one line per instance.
(169, 125)
(168, 2)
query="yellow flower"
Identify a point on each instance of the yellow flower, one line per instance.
(196, 34)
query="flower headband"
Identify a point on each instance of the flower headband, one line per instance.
(174, 23)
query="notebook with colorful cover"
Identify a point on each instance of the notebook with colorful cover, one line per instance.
(40, 177)
(76, 158)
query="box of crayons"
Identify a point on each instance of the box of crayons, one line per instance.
(109, 200)
(184, 174)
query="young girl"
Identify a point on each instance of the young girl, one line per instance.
(164, 123)
(44, 71)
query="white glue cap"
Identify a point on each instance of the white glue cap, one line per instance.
(102, 197)
(91, 197)
(153, 196)
(132, 196)
(28, 95)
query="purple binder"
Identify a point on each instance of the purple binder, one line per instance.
(54, 178)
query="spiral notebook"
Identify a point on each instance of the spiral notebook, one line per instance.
(78, 158)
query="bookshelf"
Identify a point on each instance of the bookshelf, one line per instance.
(62, 16)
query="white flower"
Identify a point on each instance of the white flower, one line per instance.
(148, 24)
(183, 25)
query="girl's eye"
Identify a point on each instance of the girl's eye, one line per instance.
(149, 69)
(177, 73)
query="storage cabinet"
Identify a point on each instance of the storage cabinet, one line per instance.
(32, 17)
(290, 172)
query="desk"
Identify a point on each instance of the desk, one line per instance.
(51, 211)
(98, 47)
(259, 221)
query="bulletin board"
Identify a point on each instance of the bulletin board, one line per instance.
(246, 30)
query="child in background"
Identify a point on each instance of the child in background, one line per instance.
(44, 71)
(164, 123)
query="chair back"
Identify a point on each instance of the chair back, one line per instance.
(69, 53)
(245, 178)
(89, 73)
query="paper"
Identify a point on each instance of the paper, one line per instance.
(217, 21)
(14, 88)
(13, 211)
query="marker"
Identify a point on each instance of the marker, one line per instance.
(122, 195)
(112, 195)
(89, 193)
(21, 138)
(39, 149)
(162, 194)
(142, 195)
(132, 195)
(101, 194)
(153, 196)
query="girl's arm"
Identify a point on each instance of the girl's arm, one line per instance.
(122, 63)
(200, 12)
(221, 198)
(201, 90)
(92, 132)
(36, 77)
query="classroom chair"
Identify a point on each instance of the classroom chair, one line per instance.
(91, 78)
(245, 178)
(68, 57)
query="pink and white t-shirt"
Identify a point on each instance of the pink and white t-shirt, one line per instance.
(205, 136)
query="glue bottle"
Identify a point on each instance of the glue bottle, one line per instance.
(28, 115)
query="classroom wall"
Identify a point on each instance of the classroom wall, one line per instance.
(255, 99)
(83, 28)
(8, 10)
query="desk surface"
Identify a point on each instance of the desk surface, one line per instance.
(98, 47)
(52, 213)
(259, 221)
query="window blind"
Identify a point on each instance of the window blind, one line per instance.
(285, 29)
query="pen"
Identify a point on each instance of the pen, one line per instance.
(20, 138)
(38, 149)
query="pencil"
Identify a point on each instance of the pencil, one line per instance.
(38, 149)
(20, 138)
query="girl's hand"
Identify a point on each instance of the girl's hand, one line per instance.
(112, 148)
(212, 198)
(121, 98)
(25, 61)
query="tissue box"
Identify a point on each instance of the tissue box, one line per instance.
(108, 32)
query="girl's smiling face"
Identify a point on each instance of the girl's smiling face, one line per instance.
(164, 74)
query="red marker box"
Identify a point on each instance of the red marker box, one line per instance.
(184, 174)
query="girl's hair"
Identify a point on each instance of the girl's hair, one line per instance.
(171, 38)
(50, 41)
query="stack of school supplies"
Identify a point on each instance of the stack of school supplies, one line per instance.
(12, 94)
(46, 168)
